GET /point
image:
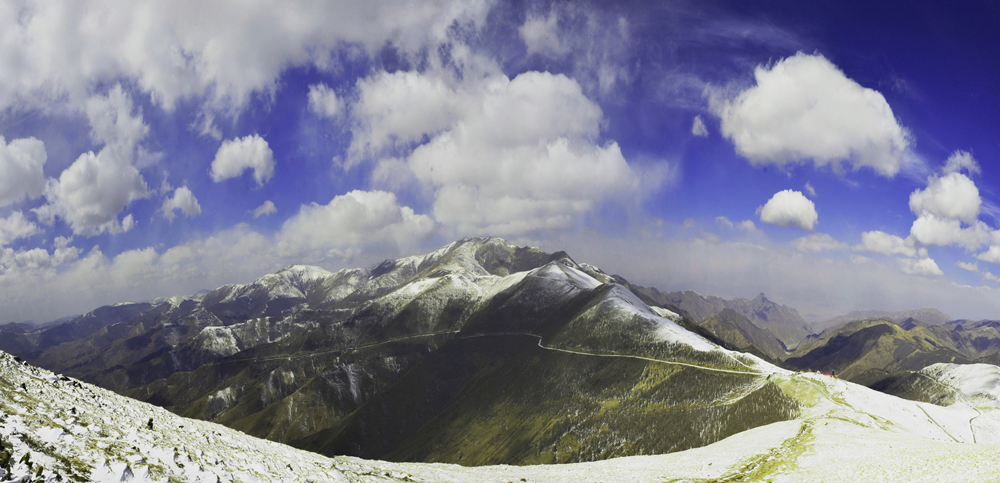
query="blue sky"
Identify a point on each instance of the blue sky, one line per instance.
(833, 155)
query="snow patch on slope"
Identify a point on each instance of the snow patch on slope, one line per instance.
(662, 312)
(563, 276)
(622, 302)
(217, 340)
(980, 382)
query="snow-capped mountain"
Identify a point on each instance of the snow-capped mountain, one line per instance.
(398, 360)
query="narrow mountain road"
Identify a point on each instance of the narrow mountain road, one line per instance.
(357, 348)
(965, 398)
(626, 356)
(932, 420)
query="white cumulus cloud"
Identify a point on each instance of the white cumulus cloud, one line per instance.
(953, 195)
(128, 223)
(184, 201)
(698, 127)
(239, 154)
(266, 208)
(922, 266)
(501, 156)
(817, 242)
(804, 108)
(948, 208)
(541, 35)
(400, 108)
(15, 227)
(930, 230)
(991, 255)
(885, 244)
(960, 160)
(21, 164)
(789, 208)
(358, 218)
(224, 51)
(323, 101)
(972, 267)
(745, 225)
(91, 193)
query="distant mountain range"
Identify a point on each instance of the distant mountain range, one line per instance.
(782, 321)
(925, 316)
(870, 350)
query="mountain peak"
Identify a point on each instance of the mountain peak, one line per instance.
(304, 270)
(484, 240)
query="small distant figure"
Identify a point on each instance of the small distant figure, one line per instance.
(149, 425)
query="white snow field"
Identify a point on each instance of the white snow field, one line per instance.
(846, 432)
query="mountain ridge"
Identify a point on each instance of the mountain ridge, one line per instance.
(877, 352)
(306, 352)
(928, 316)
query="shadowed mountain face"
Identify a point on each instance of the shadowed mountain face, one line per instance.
(479, 352)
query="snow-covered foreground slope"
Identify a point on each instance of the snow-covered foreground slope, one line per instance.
(85, 433)
(845, 433)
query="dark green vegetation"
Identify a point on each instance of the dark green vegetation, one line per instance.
(871, 351)
(433, 358)
(916, 386)
(511, 401)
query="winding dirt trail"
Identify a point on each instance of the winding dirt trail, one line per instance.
(626, 356)
(302, 355)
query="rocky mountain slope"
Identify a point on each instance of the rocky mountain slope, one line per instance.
(480, 352)
(54, 428)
